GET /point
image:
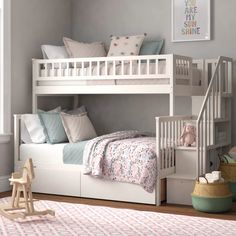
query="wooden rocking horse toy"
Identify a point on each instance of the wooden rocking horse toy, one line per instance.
(22, 207)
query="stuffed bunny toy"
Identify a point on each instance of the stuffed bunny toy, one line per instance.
(188, 136)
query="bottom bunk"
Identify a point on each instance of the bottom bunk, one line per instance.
(137, 178)
(55, 177)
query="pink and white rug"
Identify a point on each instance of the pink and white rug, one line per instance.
(77, 219)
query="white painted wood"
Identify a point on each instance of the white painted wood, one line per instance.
(17, 138)
(67, 81)
(76, 101)
(35, 70)
(68, 179)
(179, 190)
(103, 189)
(5, 73)
(212, 109)
(186, 162)
(103, 89)
(57, 181)
(197, 104)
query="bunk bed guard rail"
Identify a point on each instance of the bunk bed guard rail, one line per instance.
(105, 68)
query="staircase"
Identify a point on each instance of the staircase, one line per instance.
(213, 126)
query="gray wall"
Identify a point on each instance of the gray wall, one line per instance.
(34, 23)
(96, 20)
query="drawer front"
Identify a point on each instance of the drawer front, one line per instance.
(179, 191)
(111, 190)
(57, 181)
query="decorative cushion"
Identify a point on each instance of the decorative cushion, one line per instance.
(54, 52)
(151, 47)
(125, 45)
(78, 127)
(77, 111)
(55, 110)
(80, 50)
(31, 128)
(53, 127)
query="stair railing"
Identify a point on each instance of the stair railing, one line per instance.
(220, 85)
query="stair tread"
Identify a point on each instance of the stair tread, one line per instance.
(218, 120)
(218, 145)
(186, 148)
(181, 176)
(227, 95)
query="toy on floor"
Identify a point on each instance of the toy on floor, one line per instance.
(22, 207)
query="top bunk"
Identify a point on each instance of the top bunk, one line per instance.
(146, 74)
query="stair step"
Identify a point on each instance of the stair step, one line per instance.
(186, 148)
(218, 145)
(221, 120)
(227, 95)
(179, 189)
(181, 176)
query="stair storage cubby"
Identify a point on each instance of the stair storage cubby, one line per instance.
(180, 185)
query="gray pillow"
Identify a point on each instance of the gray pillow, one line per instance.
(78, 127)
(77, 111)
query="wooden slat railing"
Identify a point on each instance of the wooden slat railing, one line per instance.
(212, 108)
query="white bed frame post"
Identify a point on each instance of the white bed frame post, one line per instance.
(172, 73)
(17, 140)
(76, 101)
(158, 184)
(35, 71)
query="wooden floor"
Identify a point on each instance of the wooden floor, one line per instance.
(164, 208)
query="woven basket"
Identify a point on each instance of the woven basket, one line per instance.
(228, 171)
(212, 198)
(211, 190)
(232, 187)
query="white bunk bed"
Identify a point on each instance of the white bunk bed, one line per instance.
(162, 74)
(157, 74)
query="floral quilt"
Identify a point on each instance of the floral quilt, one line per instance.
(126, 156)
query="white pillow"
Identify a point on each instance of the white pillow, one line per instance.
(125, 45)
(80, 50)
(78, 127)
(34, 127)
(54, 52)
(25, 136)
(31, 128)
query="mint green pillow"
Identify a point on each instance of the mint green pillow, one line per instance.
(53, 127)
(151, 47)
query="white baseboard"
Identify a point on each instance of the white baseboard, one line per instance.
(4, 183)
